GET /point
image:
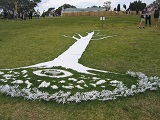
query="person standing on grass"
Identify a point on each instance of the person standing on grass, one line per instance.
(148, 15)
(5, 15)
(156, 16)
(38, 14)
(30, 14)
(15, 15)
(143, 15)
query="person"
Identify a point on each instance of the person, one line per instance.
(43, 14)
(23, 15)
(5, 15)
(15, 15)
(30, 14)
(137, 11)
(156, 16)
(38, 14)
(148, 15)
(141, 24)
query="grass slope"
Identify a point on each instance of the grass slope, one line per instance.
(25, 43)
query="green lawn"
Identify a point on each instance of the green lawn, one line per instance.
(24, 43)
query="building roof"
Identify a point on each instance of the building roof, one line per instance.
(68, 10)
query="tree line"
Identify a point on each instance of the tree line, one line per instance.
(20, 6)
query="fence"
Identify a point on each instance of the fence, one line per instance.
(98, 13)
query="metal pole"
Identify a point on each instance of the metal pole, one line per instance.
(102, 21)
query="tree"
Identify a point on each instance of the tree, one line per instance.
(118, 7)
(158, 1)
(49, 11)
(94, 6)
(107, 5)
(124, 6)
(64, 7)
(21, 5)
(137, 5)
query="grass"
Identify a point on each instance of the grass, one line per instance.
(140, 107)
(24, 43)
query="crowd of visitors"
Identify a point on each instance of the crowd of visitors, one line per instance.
(22, 15)
(146, 16)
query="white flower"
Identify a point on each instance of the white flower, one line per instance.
(92, 84)
(100, 82)
(28, 84)
(44, 84)
(7, 76)
(68, 87)
(72, 79)
(114, 82)
(79, 87)
(1, 73)
(17, 82)
(81, 82)
(62, 81)
(85, 85)
(24, 72)
(132, 74)
(54, 87)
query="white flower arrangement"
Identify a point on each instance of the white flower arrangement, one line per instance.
(71, 62)
(144, 83)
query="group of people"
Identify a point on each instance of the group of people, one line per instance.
(146, 16)
(22, 15)
(37, 14)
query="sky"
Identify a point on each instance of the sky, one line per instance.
(45, 4)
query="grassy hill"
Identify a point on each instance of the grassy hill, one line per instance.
(24, 43)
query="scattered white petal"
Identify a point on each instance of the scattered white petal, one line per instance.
(70, 84)
(79, 87)
(7, 76)
(10, 71)
(1, 73)
(25, 75)
(28, 83)
(95, 78)
(114, 82)
(103, 86)
(24, 71)
(81, 82)
(62, 81)
(100, 82)
(113, 85)
(72, 79)
(85, 85)
(44, 84)
(92, 84)
(68, 87)
(3, 80)
(17, 73)
(54, 87)
(39, 80)
(17, 82)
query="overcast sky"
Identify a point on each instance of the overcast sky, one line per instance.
(45, 4)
